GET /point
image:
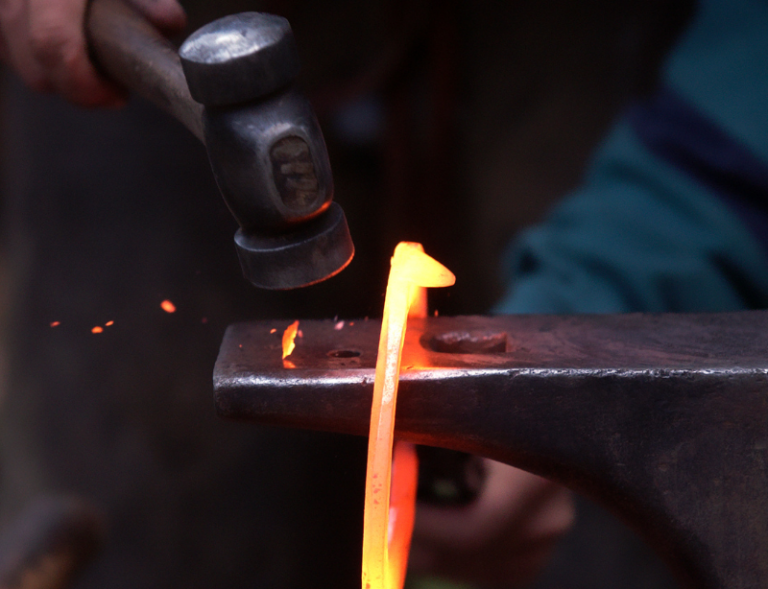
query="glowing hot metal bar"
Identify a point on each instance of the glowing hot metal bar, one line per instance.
(411, 271)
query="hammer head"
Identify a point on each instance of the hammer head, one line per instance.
(267, 151)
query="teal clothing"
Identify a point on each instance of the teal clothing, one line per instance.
(720, 65)
(651, 229)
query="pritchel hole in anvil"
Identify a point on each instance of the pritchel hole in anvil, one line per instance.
(344, 354)
(469, 342)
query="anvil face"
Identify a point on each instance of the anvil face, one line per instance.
(662, 418)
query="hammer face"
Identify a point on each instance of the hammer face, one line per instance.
(317, 250)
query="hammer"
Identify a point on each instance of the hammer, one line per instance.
(231, 85)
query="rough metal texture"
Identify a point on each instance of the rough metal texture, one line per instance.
(662, 418)
(244, 150)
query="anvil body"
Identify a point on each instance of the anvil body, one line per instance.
(661, 418)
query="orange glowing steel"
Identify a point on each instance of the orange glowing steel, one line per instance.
(168, 306)
(289, 337)
(388, 518)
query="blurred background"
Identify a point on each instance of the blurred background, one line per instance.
(451, 123)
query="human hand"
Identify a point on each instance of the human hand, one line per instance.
(501, 539)
(44, 42)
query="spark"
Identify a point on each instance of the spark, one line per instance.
(339, 326)
(97, 329)
(55, 323)
(168, 306)
(289, 337)
(109, 324)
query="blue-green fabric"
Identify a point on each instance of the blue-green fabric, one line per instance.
(642, 235)
(720, 65)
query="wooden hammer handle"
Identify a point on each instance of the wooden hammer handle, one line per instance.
(133, 53)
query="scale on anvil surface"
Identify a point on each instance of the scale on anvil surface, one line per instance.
(661, 418)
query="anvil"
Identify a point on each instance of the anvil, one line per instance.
(662, 418)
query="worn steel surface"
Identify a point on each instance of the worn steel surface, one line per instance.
(662, 418)
(239, 57)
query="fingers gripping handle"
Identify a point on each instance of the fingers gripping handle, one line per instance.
(132, 52)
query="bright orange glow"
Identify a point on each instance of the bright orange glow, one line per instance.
(385, 546)
(97, 329)
(273, 330)
(417, 306)
(168, 306)
(289, 337)
(402, 509)
(109, 324)
(55, 324)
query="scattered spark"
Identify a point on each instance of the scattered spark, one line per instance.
(435, 312)
(55, 323)
(168, 306)
(289, 335)
(109, 324)
(339, 326)
(273, 330)
(300, 333)
(97, 329)
(351, 323)
(288, 364)
(241, 345)
(204, 320)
